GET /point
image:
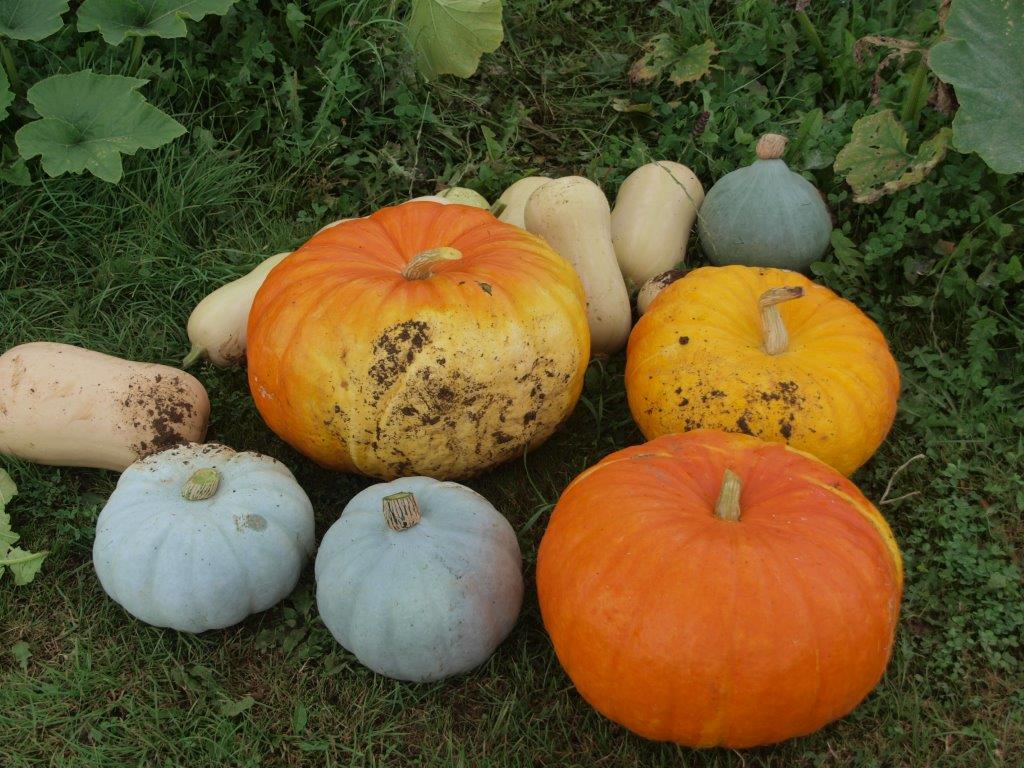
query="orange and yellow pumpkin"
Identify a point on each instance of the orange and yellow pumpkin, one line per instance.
(714, 589)
(765, 352)
(424, 339)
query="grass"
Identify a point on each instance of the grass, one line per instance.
(118, 269)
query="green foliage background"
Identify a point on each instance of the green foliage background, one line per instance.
(301, 113)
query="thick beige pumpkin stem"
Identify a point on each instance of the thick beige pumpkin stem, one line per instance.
(771, 146)
(728, 505)
(401, 511)
(776, 339)
(421, 265)
(202, 485)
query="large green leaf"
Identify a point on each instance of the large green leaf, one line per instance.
(6, 97)
(448, 37)
(663, 55)
(31, 19)
(89, 121)
(983, 60)
(876, 161)
(119, 19)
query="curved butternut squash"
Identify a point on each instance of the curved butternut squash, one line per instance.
(572, 214)
(217, 326)
(654, 213)
(511, 206)
(69, 406)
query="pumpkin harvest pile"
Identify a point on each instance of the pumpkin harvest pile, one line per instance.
(723, 584)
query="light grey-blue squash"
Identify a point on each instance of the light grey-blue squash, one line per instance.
(764, 215)
(200, 536)
(420, 579)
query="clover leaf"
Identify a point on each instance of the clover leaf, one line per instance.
(983, 60)
(116, 20)
(89, 121)
(448, 37)
(876, 162)
(31, 19)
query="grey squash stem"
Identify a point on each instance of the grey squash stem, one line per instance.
(776, 338)
(401, 511)
(202, 485)
(728, 505)
(420, 266)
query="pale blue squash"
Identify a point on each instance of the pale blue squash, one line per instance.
(420, 579)
(764, 215)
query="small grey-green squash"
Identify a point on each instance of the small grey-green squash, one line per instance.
(764, 215)
(420, 579)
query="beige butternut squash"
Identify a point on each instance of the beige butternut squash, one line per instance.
(654, 213)
(69, 406)
(650, 290)
(511, 206)
(573, 216)
(217, 326)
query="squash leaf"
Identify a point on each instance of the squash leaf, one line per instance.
(24, 565)
(876, 162)
(663, 56)
(117, 20)
(31, 19)
(89, 121)
(6, 97)
(448, 37)
(983, 59)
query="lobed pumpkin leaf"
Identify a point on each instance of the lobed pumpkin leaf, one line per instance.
(448, 37)
(31, 19)
(876, 162)
(24, 565)
(117, 20)
(88, 121)
(663, 56)
(6, 96)
(983, 59)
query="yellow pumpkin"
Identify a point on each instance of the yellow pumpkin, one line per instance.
(766, 352)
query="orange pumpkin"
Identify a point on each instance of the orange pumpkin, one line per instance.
(766, 352)
(425, 339)
(714, 589)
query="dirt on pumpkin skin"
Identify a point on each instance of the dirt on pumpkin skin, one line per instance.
(161, 407)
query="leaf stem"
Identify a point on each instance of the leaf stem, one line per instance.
(913, 102)
(136, 58)
(10, 66)
(807, 27)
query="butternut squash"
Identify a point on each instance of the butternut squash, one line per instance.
(654, 213)
(650, 290)
(511, 206)
(458, 195)
(69, 406)
(217, 326)
(573, 215)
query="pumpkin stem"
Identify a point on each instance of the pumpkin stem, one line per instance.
(419, 267)
(202, 485)
(728, 505)
(771, 146)
(401, 511)
(776, 338)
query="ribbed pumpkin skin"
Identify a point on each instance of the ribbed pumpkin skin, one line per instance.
(684, 627)
(364, 370)
(764, 215)
(696, 360)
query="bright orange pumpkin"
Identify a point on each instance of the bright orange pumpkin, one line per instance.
(765, 352)
(425, 339)
(711, 589)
